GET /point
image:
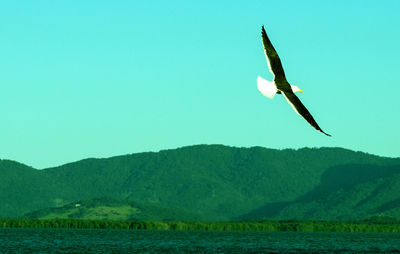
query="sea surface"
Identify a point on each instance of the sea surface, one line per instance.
(136, 241)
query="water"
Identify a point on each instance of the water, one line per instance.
(123, 241)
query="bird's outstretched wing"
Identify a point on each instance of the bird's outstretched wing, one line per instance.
(300, 109)
(274, 62)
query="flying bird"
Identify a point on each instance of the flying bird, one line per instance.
(280, 85)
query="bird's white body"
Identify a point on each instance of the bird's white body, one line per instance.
(268, 88)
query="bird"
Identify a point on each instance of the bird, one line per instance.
(280, 85)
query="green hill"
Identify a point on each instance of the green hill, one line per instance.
(23, 189)
(346, 192)
(217, 183)
(111, 209)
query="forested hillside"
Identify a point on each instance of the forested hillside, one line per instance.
(217, 182)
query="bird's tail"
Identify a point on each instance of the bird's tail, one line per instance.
(266, 87)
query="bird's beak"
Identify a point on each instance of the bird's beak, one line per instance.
(300, 91)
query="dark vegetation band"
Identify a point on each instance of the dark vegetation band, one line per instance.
(375, 224)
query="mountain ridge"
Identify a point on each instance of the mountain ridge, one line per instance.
(215, 181)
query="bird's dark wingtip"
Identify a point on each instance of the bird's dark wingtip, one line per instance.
(329, 135)
(263, 33)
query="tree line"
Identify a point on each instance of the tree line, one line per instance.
(287, 225)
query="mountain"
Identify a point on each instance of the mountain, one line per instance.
(23, 188)
(346, 192)
(217, 182)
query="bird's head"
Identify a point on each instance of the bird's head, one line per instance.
(296, 89)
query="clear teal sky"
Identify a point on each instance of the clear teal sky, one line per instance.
(98, 78)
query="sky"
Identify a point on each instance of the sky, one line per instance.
(82, 79)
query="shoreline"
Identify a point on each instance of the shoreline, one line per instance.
(267, 226)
